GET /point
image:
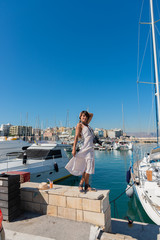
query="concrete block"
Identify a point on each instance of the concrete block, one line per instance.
(104, 192)
(108, 226)
(57, 191)
(57, 200)
(92, 205)
(33, 207)
(40, 197)
(49, 210)
(104, 204)
(73, 202)
(29, 186)
(22, 205)
(72, 193)
(68, 213)
(108, 214)
(79, 215)
(92, 195)
(26, 196)
(94, 218)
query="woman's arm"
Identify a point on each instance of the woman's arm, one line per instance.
(90, 117)
(78, 134)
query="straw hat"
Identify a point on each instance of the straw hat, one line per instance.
(43, 186)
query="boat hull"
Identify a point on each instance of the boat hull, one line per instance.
(152, 214)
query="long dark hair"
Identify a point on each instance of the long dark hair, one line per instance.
(85, 113)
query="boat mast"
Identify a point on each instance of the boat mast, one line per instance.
(155, 64)
(123, 120)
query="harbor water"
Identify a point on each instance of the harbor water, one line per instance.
(110, 173)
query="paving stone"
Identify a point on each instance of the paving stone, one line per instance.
(68, 213)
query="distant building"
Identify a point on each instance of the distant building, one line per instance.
(37, 134)
(96, 131)
(1, 133)
(5, 129)
(49, 134)
(100, 132)
(115, 133)
(20, 131)
(105, 133)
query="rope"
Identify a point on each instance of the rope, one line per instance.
(139, 38)
(144, 54)
(121, 193)
(114, 202)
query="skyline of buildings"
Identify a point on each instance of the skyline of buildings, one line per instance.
(52, 132)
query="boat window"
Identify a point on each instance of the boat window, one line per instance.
(154, 161)
(42, 154)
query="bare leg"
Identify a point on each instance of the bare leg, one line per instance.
(87, 186)
(86, 178)
(81, 182)
(82, 179)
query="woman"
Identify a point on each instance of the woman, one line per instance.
(82, 162)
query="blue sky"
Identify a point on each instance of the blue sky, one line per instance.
(59, 56)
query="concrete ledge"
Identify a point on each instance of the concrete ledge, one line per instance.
(67, 202)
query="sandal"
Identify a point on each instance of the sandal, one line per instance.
(89, 189)
(81, 188)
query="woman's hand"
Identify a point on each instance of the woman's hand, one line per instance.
(74, 152)
(90, 117)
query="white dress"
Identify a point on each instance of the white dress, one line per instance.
(84, 159)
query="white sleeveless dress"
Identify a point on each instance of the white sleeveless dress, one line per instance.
(84, 159)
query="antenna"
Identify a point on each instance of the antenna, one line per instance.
(123, 120)
(67, 119)
(21, 119)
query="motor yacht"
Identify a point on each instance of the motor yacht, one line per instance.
(43, 161)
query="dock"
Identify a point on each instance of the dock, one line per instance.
(64, 213)
(42, 227)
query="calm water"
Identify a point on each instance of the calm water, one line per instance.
(110, 173)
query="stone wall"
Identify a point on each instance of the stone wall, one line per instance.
(68, 202)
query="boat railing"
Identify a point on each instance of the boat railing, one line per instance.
(7, 163)
(140, 177)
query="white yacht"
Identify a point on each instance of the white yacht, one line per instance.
(108, 144)
(43, 161)
(122, 145)
(102, 148)
(145, 173)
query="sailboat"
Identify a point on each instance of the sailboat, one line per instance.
(145, 173)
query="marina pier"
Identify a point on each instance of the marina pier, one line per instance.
(62, 212)
(67, 202)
